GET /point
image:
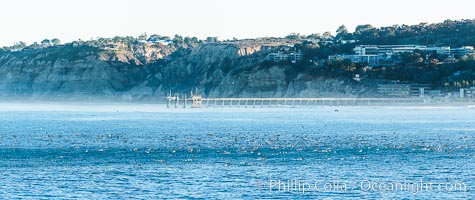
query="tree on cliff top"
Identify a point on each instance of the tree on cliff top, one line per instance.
(342, 30)
(56, 41)
(212, 39)
(178, 39)
(142, 36)
(18, 46)
(362, 28)
(46, 43)
(294, 36)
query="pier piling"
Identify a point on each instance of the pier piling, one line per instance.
(197, 101)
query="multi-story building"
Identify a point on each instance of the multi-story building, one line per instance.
(375, 54)
(403, 89)
(397, 49)
(440, 50)
(397, 90)
(370, 59)
(462, 51)
(385, 49)
(287, 55)
(467, 92)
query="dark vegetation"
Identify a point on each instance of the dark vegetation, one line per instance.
(417, 67)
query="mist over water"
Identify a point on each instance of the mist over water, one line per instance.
(42, 106)
(146, 151)
(81, 107)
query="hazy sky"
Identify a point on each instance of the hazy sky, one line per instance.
(34, 20)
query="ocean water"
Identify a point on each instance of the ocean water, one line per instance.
(148, 152)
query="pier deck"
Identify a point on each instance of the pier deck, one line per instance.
(199, 102)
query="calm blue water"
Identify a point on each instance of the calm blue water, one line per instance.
(358, 152)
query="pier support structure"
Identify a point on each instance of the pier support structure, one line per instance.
(196, 101)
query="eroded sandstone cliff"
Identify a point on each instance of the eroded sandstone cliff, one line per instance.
(143, 71)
